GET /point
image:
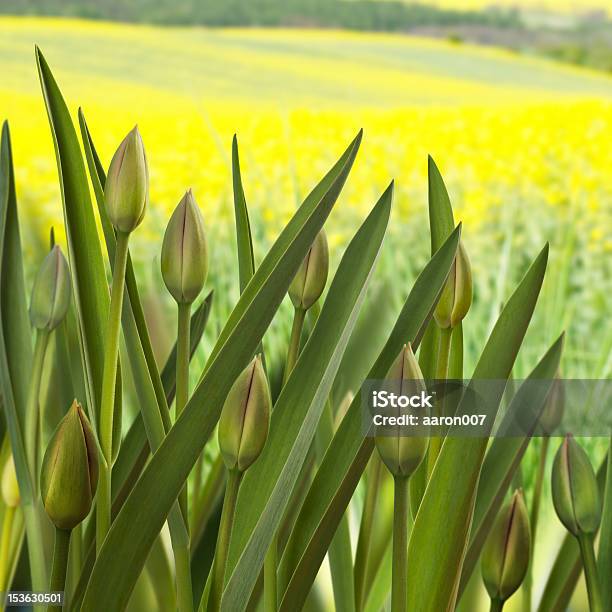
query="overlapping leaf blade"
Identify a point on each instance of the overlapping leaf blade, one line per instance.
(454, 479)
(125, 549)
(267, 486)
(349, 452)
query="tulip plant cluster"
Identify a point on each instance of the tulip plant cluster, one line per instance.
(152, 514)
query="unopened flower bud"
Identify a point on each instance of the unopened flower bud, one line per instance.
(574, 489)
(506, 552)
(552, 415)
(310, 279)
(184, 256)
(69, 474)
(126, 192)
(10, 488)
(456, 297)
(402, 454)
(245, 419)
(51, 291)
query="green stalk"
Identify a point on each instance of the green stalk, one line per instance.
(182, 375)
(60, 563)
(109, 378)
(223, 539)
(36, 548)
(533, 520)
(587, 550)
(5, 545)
(497, 605)
(271, 560)
(76, 556)
(399, 571)
(33, 413)
(365, 531)
(182, 563)
(442, 361)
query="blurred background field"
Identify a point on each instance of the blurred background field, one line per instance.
(523, 143)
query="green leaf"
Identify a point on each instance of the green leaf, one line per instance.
(567, 567)
(604, 556)
(86, 264)
(441, 220)
(454, 479)
(267, 486)
(125, 549)
(246, 259)
(15, 335)
(505, 455)
(346, 458)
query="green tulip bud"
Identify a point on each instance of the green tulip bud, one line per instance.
(245, 419)
(310, 279)
(552, 415)
(10, 487)
(456, 297)
(126, 192)
(184, 256)
(403, 454)
(574, 489)
(51, 291)
(69, 474)
(506, 551)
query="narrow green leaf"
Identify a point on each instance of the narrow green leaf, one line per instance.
(246, 259)
(441, 220)
(604, 554)
(15, 349)
(567, 567)
(505, 455)
(455, 476)
(348, 454)
(267, 486)
(89, 283)
(125, 549)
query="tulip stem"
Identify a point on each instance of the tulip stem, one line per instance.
(60, 563)
(497, 605)
(109, 379)
(444, 347)
(294, 342)
(33, 413)
(5, 545)
(225, 530)
(591, 575)
(399, 571)
(182, 377)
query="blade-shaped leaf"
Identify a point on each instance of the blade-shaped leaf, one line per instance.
(504, 456)
(604, 556)
(125, 549)
(441, 220)
(349, 452)
(89, 283)
(267, 486)
(455, 476)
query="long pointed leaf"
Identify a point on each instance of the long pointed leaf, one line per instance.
(349, 452)
(125, 549)
(454, 479)
(267, 486)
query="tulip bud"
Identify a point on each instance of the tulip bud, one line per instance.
(400, 453)
(184, 256)
(552, 415)
(310, 279)
(506, 552)
(69, 474)
(574, 489)
(126, 192)
(51, 291)
(456, 297)
(245, 419)
(10, 488)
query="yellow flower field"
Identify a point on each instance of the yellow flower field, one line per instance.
(524, 144)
